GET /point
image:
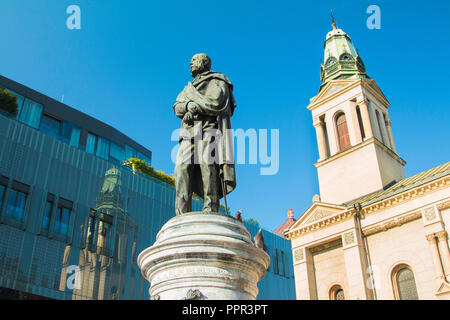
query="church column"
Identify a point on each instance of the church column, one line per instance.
(391, 137)
(355, 266)
(432, 241)
(331, 132)
(356, 131)
(444, 252)
(320, 132)
(384, 132)
(364, 108)
(305, 284)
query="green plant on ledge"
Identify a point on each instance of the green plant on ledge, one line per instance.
(8, 102)
(140, 166)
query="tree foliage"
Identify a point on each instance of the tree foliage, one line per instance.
(8, 102)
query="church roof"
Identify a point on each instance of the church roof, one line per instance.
(402, 185)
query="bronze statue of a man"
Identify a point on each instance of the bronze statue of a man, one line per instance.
(205, 160)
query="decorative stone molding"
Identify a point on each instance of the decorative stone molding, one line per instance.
(429, 214)
(443, 205)
(299, 255)
(395, 222)
(441, 235)
(371, 208)
(320, 224)
(349, 238)
(324, 246)
(431, 238)
(319, 215)
(193, 295)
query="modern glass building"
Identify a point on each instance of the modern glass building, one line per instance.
(73, 219)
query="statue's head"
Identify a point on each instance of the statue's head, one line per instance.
(200, 63)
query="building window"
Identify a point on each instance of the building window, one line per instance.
(3, 186)
(146, 159)
(17, 200)
(281, 264)
(102, 148)
(91, 143)
(117, 152)
(62, 130)
(98, 146)
(275, 263)
(31, 113)
(337, 293)
(70, 134)
(342, 132)
(50, 126)
(48, 209)
(130, 152)
(20, 100)
(28, 111)
(62, 218)
(404, 283)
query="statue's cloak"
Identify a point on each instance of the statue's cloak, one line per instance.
(213, 93)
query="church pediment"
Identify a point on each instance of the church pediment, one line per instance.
(333, 87)
(318, 211)
(372, 86)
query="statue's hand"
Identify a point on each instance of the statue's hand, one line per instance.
(193, 108)
(188, 118)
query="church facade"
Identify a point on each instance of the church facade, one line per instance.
(372, 233)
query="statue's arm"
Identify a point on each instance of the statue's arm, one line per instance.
(180, 109)
(212, 103)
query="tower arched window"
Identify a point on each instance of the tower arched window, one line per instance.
(404, 283)
(342, 132)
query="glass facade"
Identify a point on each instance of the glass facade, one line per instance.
(67, 214)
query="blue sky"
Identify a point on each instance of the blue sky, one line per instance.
(131, 58)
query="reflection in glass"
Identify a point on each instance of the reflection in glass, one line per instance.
(90, 143)
(2, 193)
(50, 126)
(117, 152)
(103, 260)
(16, 204)
(31, 113)
(102, 148)
(130, 152)
(20, 100)
(62, 220)
(47, 215)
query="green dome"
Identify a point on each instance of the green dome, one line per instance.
(341, 61)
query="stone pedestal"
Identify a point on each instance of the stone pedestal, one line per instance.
(203, 256)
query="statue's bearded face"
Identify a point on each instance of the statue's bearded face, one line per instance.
(200, 63)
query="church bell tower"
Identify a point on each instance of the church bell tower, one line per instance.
(357, 154)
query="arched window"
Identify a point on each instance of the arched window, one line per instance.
(337, 293)
(342, 132)
(404, 283)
